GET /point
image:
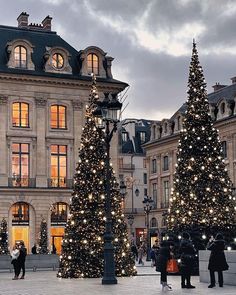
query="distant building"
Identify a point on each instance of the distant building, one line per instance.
(133, 171)
(162, 148)
(44, 87)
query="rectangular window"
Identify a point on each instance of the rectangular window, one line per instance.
(154, 193)
(224, 148)
(144, 163)
(142, 135)
(166, 193)
(20, 114)
(124, 136)
(145, 178)
(58, 117)
(154, 166)
(165, 163)
(145, 192)
(58, 165)
(120, 163)
(20, 164)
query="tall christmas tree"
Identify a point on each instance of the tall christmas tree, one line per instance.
(43, 241)
(201, 199)
(83, 244)
(4, 238)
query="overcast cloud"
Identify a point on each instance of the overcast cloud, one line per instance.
(151, 42)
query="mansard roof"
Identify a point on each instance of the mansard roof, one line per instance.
(41, 40)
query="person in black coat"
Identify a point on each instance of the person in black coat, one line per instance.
(217, 260)
(164, 254)
(21, 259)
(187, 256)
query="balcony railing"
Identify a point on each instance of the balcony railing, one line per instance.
(60, 182)
(21, 182)
(129, 167)
(59, 218)
(165, 205)
(20, 219)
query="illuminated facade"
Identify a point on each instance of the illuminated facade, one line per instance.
(44, 87)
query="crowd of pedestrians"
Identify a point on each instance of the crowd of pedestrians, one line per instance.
(162, 253)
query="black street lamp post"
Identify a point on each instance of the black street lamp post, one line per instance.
(147, 202)
(107, 112)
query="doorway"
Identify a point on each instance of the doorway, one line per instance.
(57, 234)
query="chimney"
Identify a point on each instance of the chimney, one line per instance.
(47, 23)
(218, 86)
(23, 20)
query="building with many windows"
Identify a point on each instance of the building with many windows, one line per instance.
(44, 86)
(133, 133)
(162, 148)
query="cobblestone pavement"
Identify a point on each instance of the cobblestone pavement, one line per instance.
(146, 283)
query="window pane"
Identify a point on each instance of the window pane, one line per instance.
(54, 149)
(62, 149)
(15, 147)
(24, 147)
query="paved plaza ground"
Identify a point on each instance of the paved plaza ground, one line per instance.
(146, 283)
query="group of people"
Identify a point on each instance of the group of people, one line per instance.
(187, 252)
(18, 256)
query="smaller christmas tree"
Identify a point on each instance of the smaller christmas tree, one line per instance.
(43, 242)
(4, 238)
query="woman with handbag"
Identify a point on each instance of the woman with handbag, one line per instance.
(163, 256)
(217, 261)
(187, 256)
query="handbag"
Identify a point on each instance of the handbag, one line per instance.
(172, 266)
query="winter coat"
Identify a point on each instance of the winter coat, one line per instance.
(217, 260)
(187, 256)
(162, 258)
(22, 255)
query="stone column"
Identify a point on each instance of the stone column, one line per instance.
(77, 129)
(3, 141)
(41, 156)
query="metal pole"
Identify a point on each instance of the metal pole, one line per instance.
(148, 239)
(109, 263)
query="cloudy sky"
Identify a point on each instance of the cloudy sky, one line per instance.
(150, 40)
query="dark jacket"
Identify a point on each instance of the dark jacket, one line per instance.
(187, 255)
(162, 257)
(217, 261)
(22, 255)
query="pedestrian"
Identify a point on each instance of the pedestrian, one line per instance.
(187, 256)
(21, 260)
(34, 249)
(140, 254)
(14, 260)
(154, 252)
(217, 260)
(164, 254)
(134, 250)
(54, 249)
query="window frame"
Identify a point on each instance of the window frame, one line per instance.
(154, 166)
(57, 60)
(19, 63)
(58, 155)
(91, 69)
(20, 115)
(165, 163)
(58, 106)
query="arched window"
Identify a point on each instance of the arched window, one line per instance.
(20, 114)
(57, 61)
(92, 63)
(59, 213)
(153, 222)
(58, 117)
(20, 213)
(20, 56)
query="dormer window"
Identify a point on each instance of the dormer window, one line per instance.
(142, 135)
(92, 64)
(222, 108)
(57, 61)
(124, 136)
(20, 55)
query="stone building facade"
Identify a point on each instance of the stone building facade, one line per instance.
(162, 148)
(44, 88)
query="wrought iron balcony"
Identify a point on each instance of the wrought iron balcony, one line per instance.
(60, 182)
(126, 167)
(60, 218)
(22, 182)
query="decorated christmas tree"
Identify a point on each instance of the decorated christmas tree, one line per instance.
(43, 241)
(201, 200)
(4, 238)
(83, 243)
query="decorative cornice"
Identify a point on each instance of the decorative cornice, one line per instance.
(40, 102)
(77, 105)
(3, 99)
